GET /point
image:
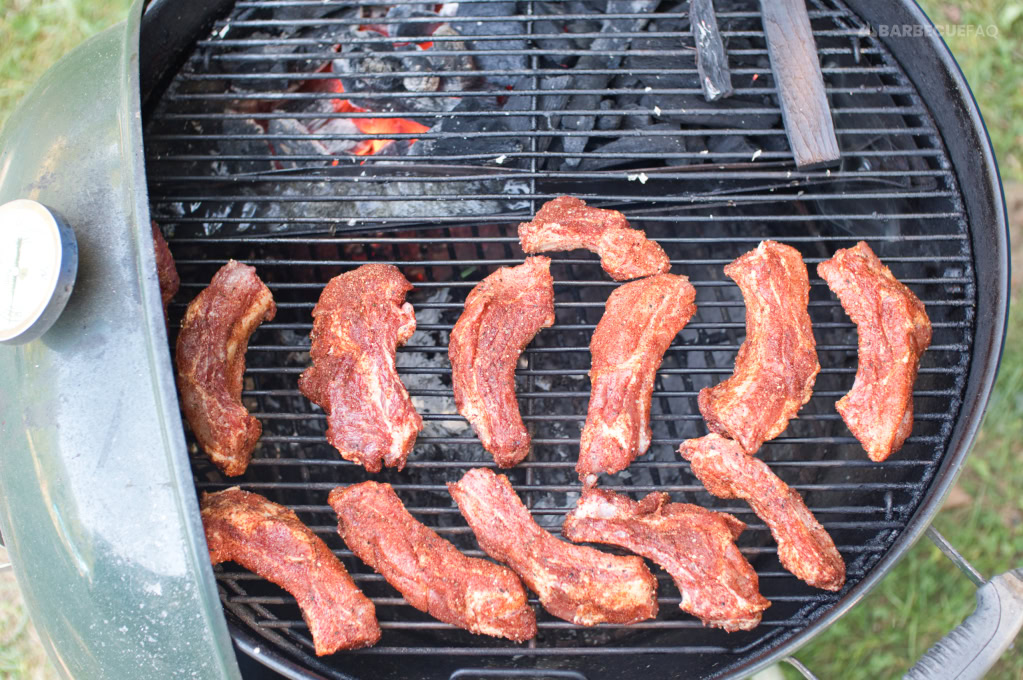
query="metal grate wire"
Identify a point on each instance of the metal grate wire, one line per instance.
(227, 181)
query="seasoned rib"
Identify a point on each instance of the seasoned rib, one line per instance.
(432, 575)
(893, 332)
(358, 323)
(272, 541)
(777, 364)
(502, 315)
(640, 321)
(166, 272)
(696, 546)
(211, 361)
(574, 582)
(804, 547)
(567, 223)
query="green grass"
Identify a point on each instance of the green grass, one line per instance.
(993, 66)
(924, 596)
(21, 655)
(34, 33)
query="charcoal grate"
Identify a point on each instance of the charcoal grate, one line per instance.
(252, 155)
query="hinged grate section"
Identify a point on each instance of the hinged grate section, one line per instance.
(264, 150)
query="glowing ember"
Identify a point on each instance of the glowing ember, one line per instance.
(380, 126)
(376, 28)
(374, 126)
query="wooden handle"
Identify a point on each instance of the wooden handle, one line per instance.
(797, 74)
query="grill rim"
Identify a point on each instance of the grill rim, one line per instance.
(942, 87)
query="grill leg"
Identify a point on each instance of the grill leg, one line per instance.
(803, 670)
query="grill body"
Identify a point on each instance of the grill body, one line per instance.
(447, 218)
(939, 222)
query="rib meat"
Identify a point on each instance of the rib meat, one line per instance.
(166, 272)
(358, 323)
(640, 321)
(777, 364)
(270, 540)
(804, 547)
(893, 332)
(502, 315)
(574, 582)
(211, 361)
(696, 546)
(432, 575)
(567, 223)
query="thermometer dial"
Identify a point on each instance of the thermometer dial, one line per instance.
(38, 262)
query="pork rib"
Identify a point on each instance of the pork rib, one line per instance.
(567, 223)
(804, 547)
(640, 321)
(166, 271)
(696, 546)
(272, 541)
(502, 315)
(211, 362)
(574, 582)
(432, 575)
(777, 364)
(358, 323)
(893, 332)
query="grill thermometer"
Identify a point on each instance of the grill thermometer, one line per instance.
(38, 263)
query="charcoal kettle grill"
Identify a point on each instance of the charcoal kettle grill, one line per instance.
(307, 137)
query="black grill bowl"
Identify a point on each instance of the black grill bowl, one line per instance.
(917, 182)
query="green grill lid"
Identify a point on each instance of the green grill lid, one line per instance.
(97, 505)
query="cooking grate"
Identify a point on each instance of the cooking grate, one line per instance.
(251, 156)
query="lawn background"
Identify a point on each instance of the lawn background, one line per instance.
(924, 596)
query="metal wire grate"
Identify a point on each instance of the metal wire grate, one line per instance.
(250, 156)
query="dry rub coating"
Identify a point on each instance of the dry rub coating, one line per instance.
(777, 364)
(574, 582)
(502, 315)
(211, 361)
(696, 546)
(804, 547)
(640, 321)
(270, 540)
(893, 332)
(432, 575)
(567, 223)
(358, 323)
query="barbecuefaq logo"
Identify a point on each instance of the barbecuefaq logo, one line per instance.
(944, 30)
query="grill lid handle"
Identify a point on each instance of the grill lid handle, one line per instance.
(973, 646)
